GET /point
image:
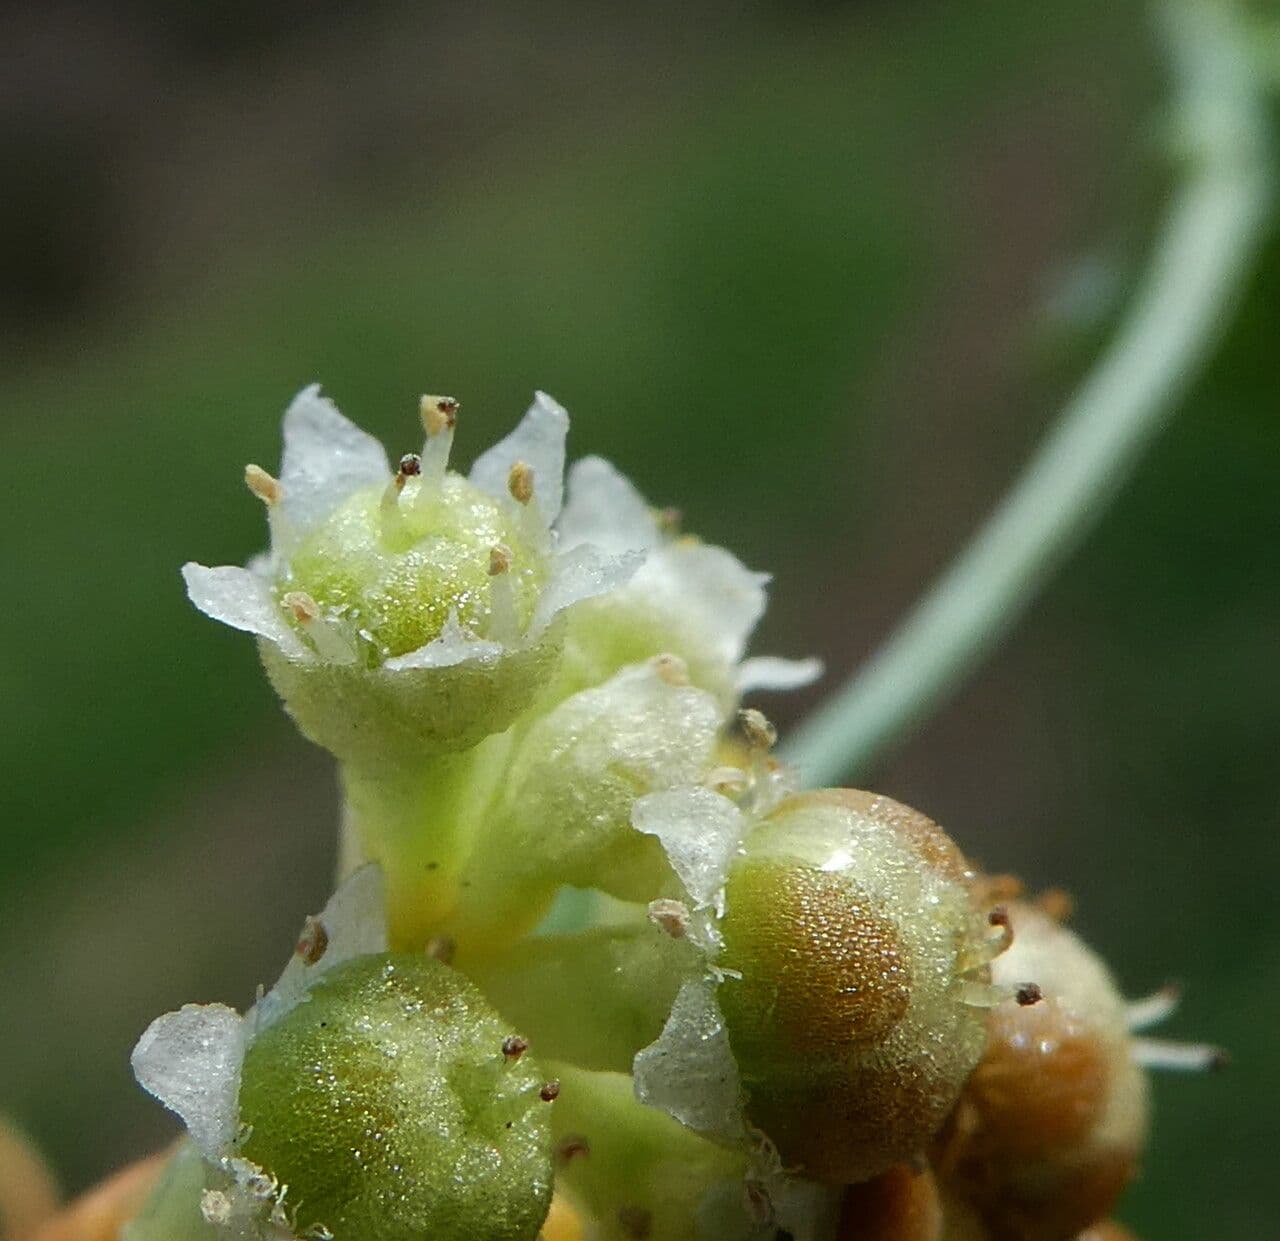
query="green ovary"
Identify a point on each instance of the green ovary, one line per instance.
(391, 576)
(386, 1105)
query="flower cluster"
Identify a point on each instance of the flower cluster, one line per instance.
(776, 1013)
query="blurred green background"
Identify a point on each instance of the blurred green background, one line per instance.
(818, 273)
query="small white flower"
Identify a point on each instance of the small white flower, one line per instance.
(328, 460)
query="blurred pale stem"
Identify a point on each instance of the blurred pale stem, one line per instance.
(1198, 269)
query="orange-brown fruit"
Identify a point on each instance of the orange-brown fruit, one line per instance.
(852, 943)
(1053, 1120)
(899, 1205)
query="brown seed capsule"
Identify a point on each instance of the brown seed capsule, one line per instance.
(1053, 1119)
(852, 923)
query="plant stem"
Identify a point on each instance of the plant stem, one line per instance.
(1198, 269)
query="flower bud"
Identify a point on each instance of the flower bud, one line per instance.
(391, 1105)
(853, 926)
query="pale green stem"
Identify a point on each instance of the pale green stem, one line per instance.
(1198, 269)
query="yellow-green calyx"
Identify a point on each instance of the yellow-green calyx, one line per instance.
(395, 1104)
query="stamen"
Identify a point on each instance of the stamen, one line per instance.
(988, 995)
(513, 1046)
(504, 622)
(1159, 1054)
(267, 488)
(980, 954)
(439, 416)
(410, 467)
(550, 1091)
(520, 482)
(1151, 1010)
(328, 639)
(438, 413)
(756, 729)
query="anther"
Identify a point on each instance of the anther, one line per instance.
(438, 413)
(1027, 994)
(410, 467)
(671, 669)
(305, 609)
(520, 482)
(671, 916)
(999, 918)
(550, 1091)
(441, 948)
(268, 489)
(313, 941)
(756, 729)
(500, 557)
(513, 1046)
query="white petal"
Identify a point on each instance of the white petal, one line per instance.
(190, 1060)
(539, 442)
(701, 832)
(580, 573)
(454, 646)
(689, 1071)
(768, 672)
(605, 509)
(240, 598)
(326, 458)
(355, 923)
(710, 589)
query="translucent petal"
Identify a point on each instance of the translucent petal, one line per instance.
(355, 924)
(710, 588)
(454, 646)
(689, 1070)
(240, 598)
(701, 832)
(538, 441)
(768, 672)
(580, 573)
(326, 458)
(190, 1060)
(605, 509)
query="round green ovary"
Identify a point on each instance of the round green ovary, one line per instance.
(394, 580)
(386, 1106)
